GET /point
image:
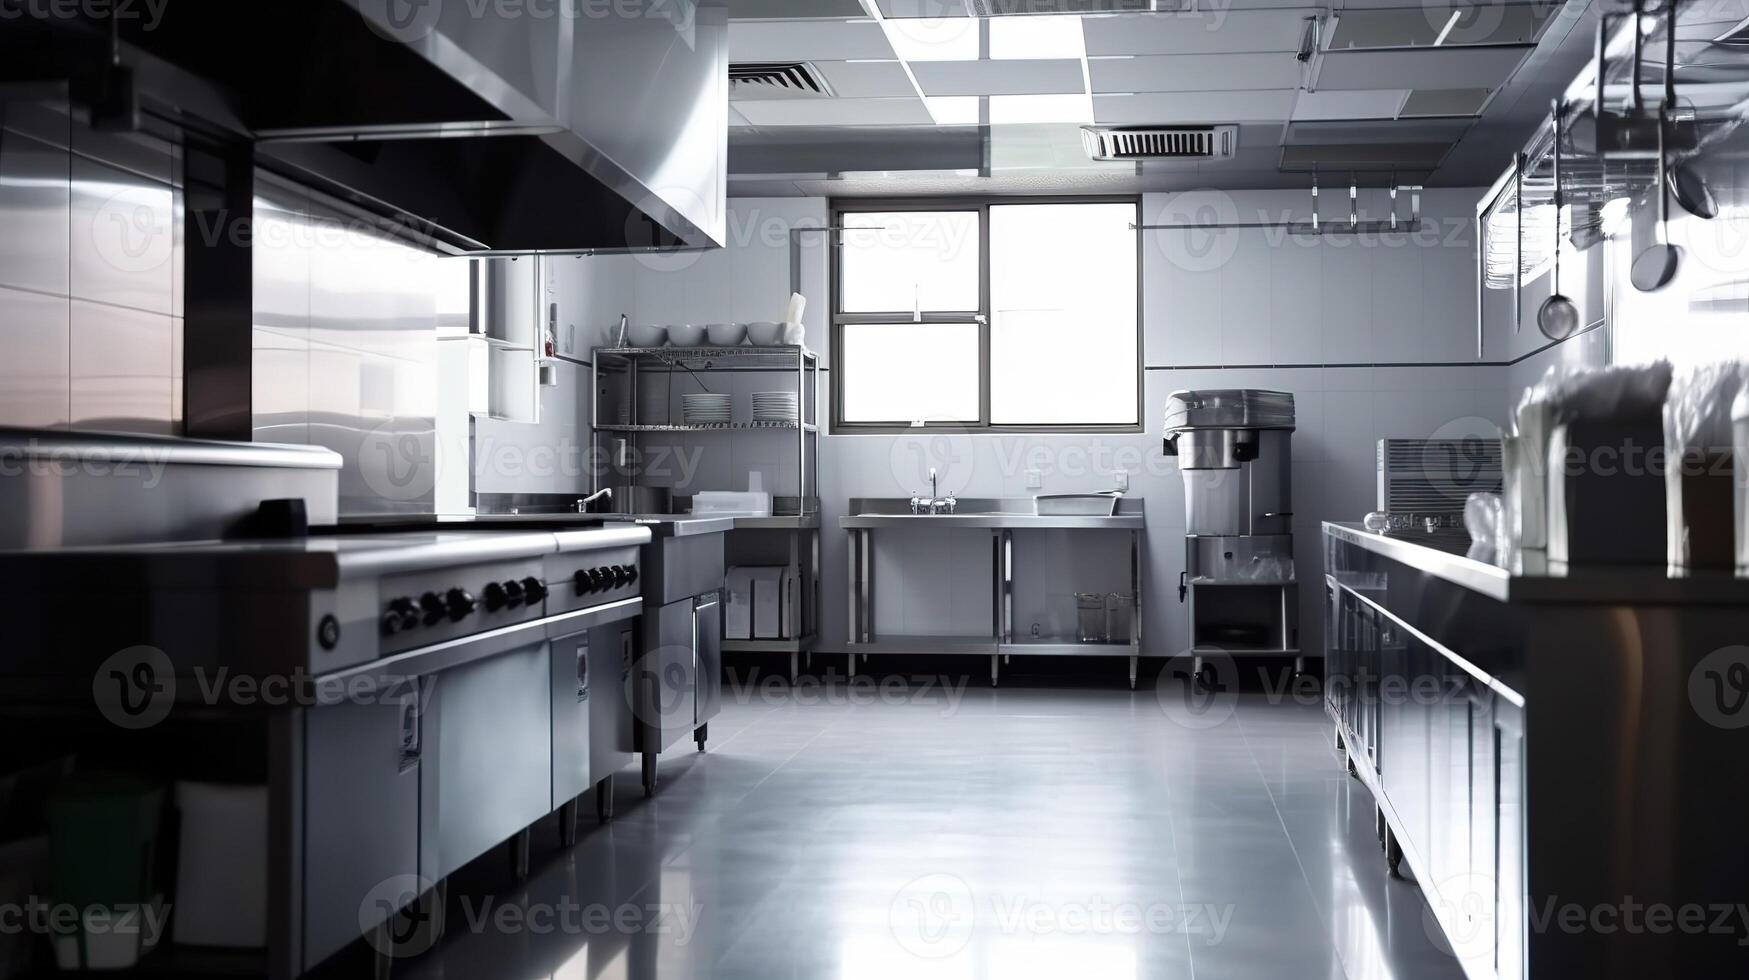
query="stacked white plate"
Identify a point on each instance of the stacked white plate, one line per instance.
(775, 406)
(705, 409)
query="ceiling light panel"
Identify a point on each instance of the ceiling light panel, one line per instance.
(866, 79)
(1006, 110)
(1192, 107)
(807, 40)
(1213, 29)
(934, 38)
(1358, 104)
(1194, 72)
(1474, 67)
(1052, 36)
(954, 110)
(838, 112)
(999, 77)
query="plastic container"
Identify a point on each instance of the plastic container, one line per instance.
(1119, 610)
(1090, 618)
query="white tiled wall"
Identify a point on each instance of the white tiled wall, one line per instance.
(1394, 319)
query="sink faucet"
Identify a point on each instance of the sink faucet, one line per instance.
(583, 503)
(934, 503)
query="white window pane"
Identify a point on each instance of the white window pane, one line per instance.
(904, 261)
(1063, 294)
(909, 372)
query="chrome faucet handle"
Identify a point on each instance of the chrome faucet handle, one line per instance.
(950, 503)
(916, 505)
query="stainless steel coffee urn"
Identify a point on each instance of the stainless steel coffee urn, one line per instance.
(1234, 449)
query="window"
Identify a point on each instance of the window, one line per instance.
(1009, 313)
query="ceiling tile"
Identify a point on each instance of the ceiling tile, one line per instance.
(838, 112)
(1215, 30)
(1194, 72)
(1192, 107)
(866, 79)
(1354, 104)
(807, 40)
(1423, 68)
(1053, 77)
(736, 119)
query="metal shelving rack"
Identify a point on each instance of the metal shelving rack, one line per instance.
(803, 526)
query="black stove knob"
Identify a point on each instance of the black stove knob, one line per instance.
(495, 597)
(513, 593)
(434, 608)
(597, 579)
(533, 590)
(617, 575)
(399, 617)
(460, 603)
(580, 582)
(631, 574)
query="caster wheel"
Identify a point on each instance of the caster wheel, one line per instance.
(1206, 678)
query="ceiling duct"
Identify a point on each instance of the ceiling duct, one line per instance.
(1160, 142)
(777, 80)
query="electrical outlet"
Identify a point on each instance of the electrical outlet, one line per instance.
(1034, 479)
(1123, 480)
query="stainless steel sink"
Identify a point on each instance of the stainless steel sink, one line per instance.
(1076, 504)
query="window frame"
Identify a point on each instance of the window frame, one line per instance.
(983, 317)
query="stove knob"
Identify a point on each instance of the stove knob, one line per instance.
(399, 617)
(495, 597)
(460, 603)
(433, 606)
(534, 589)
(631, 574)
(619, 575)
(513, 593)
(581, 583)
(598, 579)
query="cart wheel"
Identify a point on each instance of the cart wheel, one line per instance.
(1393, 854)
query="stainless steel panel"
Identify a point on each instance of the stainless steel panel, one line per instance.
(574, 687)
(708, 645)
(611, 698)
(1256, 497)
(360, 819)
(683, 567)
(1231, 408)
(34, 383)
(35, 214)
(1238, 559)
(665, 677)
(123, 238)
(121, 369)
(390, 454)
(493, 753)
(280, 376)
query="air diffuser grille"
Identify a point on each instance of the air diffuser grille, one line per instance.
(1160, 143)
(777, 80)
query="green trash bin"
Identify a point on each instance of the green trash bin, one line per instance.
(105, 910)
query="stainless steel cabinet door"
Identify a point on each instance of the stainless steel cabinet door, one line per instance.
(612, 652)
(573, 691)
(666, 677)
(493, 752)
(361, 818)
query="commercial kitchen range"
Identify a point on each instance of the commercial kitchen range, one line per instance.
(729, 488)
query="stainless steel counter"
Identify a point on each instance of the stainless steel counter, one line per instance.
(1528, 576)
(1011, 513)
(675, 525)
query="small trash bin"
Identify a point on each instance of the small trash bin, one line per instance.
(105, 912)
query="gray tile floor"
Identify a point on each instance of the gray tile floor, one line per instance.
(919, 833)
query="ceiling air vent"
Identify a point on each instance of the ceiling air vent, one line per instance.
(753, 80)
(1160, 142)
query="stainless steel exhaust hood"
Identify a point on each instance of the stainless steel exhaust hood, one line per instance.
(482, 125)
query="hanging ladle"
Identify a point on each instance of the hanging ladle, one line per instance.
(1558, 316)
(1657, 264)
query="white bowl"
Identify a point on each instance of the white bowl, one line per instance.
(726, 334)
(685, 334)
(646, 335)
(765, 333)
